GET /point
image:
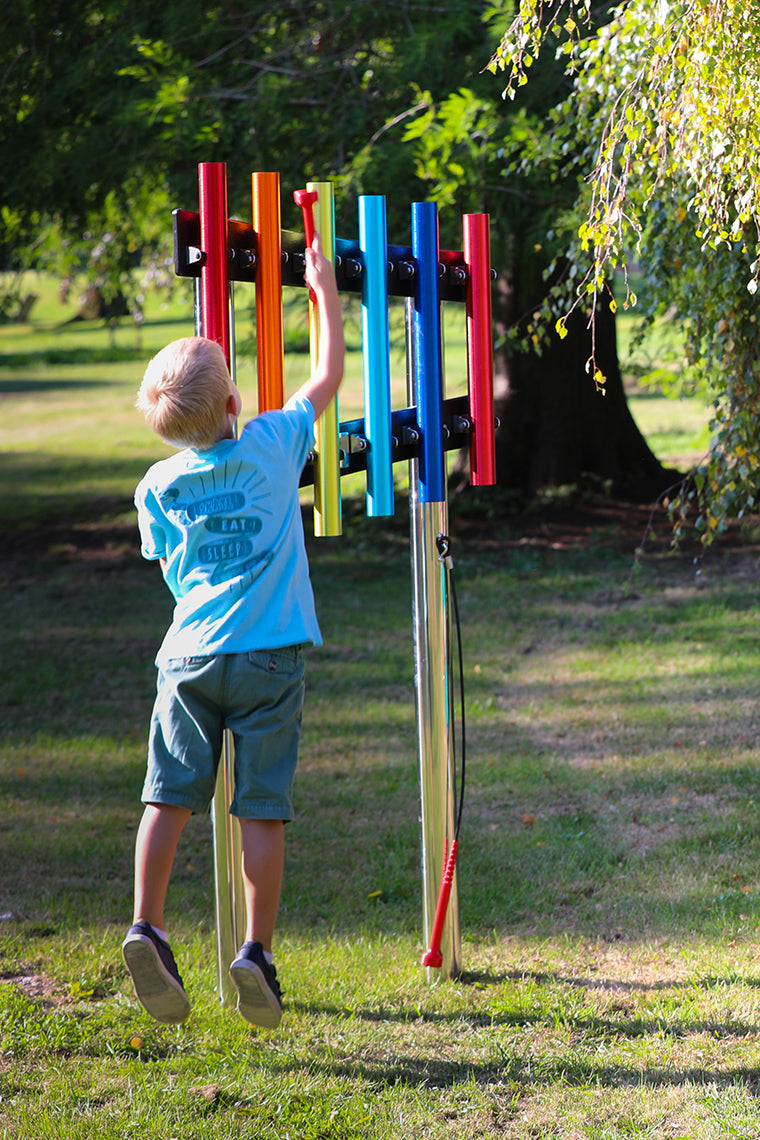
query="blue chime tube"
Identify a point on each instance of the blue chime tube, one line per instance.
(428, 365)
(373, 243)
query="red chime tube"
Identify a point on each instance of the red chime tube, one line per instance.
(477, 259)
(215, 270)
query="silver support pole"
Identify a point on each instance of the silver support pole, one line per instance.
(433, 689)
(228, 886)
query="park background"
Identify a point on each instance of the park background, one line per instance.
(608, 868)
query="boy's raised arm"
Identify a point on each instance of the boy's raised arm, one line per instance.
(324, 382)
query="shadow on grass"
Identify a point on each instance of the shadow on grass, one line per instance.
(609, 1027)
(484, 979)
(421, 1072)
(73, 355)
(19, 386)
(44, 497)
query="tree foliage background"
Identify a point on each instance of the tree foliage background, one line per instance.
(106, 110)
(665, 95)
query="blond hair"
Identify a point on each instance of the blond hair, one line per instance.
(184, 393)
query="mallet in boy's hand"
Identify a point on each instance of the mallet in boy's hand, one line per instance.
(306, 199)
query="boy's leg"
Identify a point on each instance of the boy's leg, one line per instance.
(147, 954)
(252, 972)
(263, 842)
(155, 848)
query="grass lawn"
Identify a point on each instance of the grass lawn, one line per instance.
(610, 853)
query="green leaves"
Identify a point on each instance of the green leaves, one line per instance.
(452, 143)
(667, 95)
(535, 24)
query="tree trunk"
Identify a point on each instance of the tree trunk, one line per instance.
(556, 428)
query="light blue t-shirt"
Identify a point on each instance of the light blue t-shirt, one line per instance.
(227, 520)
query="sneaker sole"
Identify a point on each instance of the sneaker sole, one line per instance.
(256, 1002)
(160, 993)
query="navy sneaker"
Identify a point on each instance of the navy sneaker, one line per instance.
(259, 993)
(155, 975)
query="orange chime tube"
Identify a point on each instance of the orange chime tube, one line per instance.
(270, 359)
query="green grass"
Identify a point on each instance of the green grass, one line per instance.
(609, 869)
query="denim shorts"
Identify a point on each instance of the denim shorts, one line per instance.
(258, 696)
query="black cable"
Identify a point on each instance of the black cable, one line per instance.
(444, 545)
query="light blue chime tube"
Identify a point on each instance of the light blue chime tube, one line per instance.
(430, 602)
(373, 243)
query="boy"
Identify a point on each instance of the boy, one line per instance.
(223, 518)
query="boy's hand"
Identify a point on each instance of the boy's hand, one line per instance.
(320, 276)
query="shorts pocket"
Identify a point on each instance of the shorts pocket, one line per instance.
(185, 664)
(284, 662)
